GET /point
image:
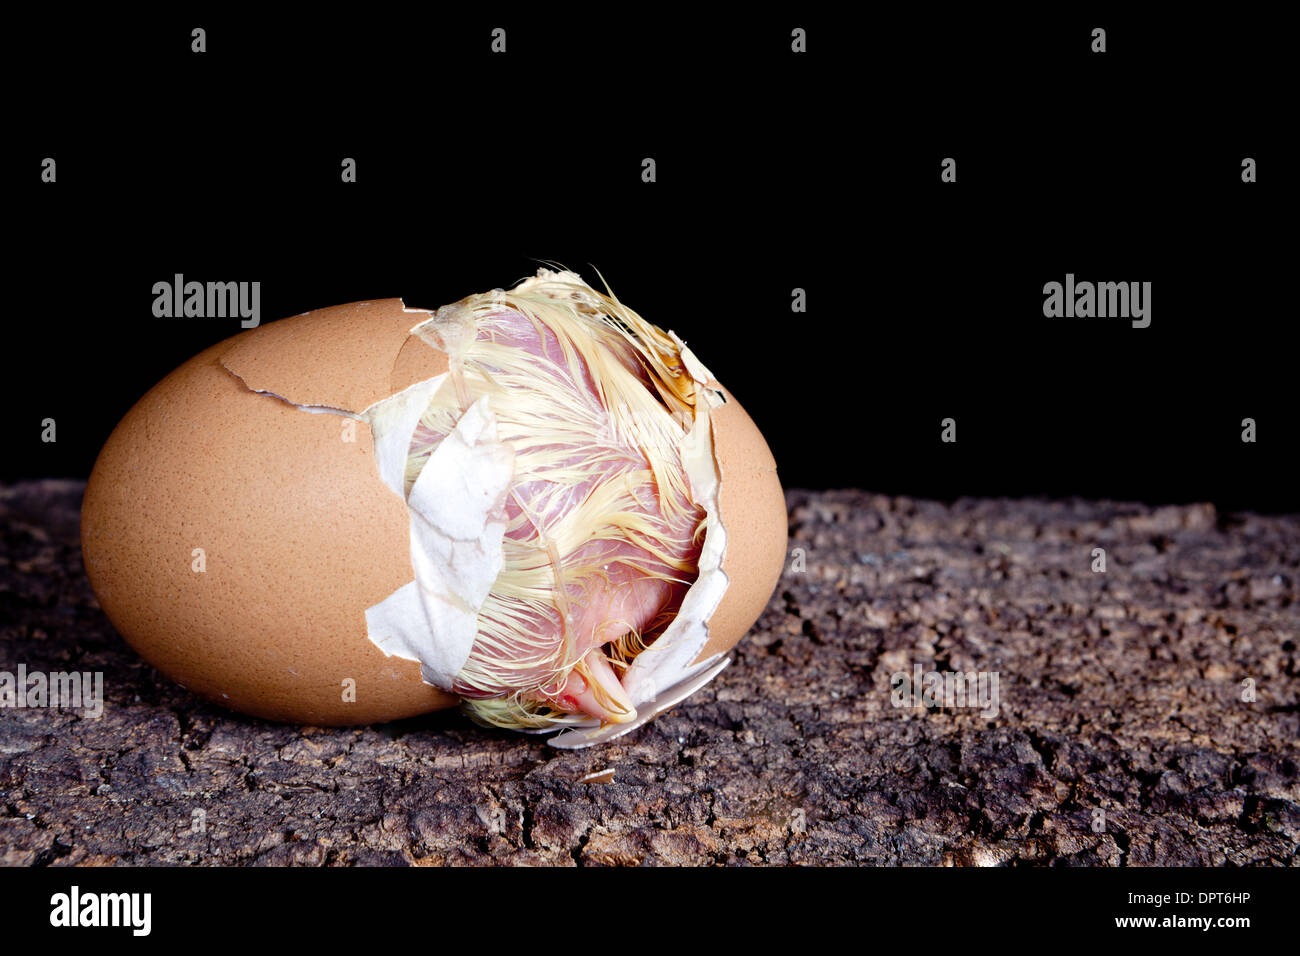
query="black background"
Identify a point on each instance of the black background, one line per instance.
(775, 171)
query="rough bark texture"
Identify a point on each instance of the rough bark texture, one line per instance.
(1120, 692)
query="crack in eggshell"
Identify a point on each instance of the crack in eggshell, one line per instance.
(456, 526)
(293, 360)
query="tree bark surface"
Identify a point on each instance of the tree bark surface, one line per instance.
(1148, 714)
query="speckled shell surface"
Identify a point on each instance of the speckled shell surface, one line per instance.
(298, 533)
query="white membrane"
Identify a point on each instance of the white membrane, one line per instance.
(457, 523)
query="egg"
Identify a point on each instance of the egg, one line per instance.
(532, 503)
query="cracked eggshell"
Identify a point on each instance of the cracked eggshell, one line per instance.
(298, 533)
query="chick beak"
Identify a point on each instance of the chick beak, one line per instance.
(594, 689)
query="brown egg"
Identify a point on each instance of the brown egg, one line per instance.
(245, 530)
